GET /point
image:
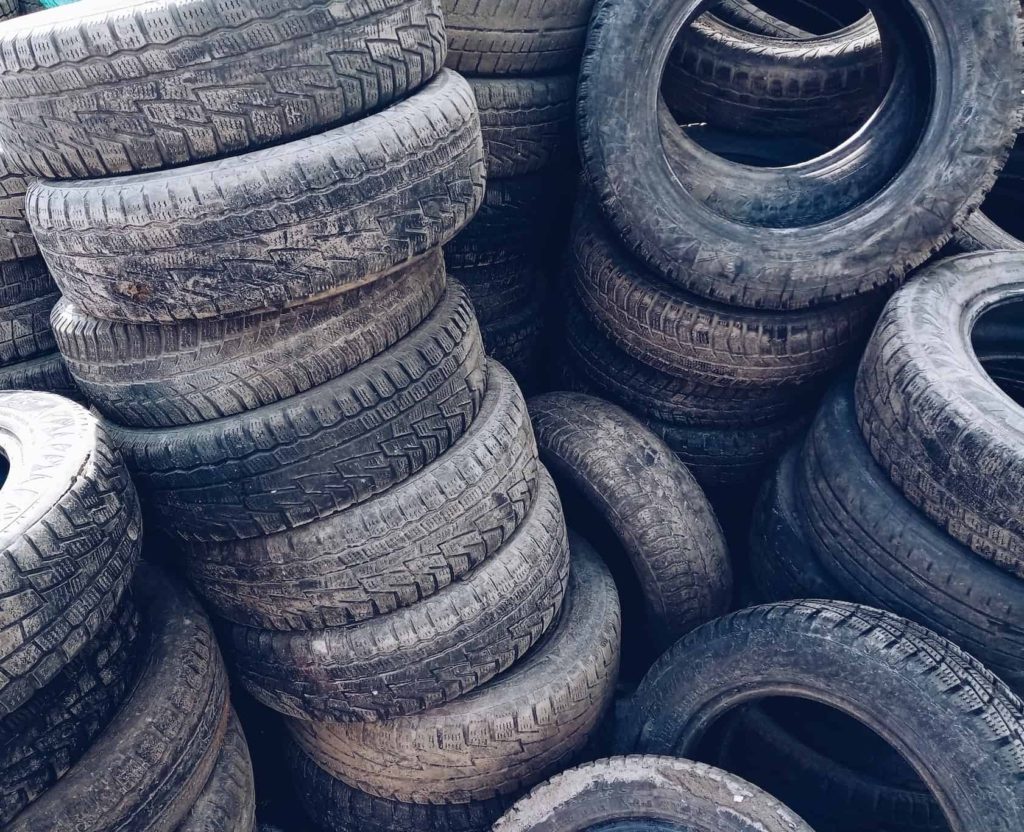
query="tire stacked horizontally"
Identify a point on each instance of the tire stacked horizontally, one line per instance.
(522, 60)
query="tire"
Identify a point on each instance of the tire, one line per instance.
(749, 17)
(340, 808)
(657, 511)
(794, 238)
(27, 294)
(228, 801)
(641, 793)
(940, 708)
(16, 240)
(45, 737)
(682, 335)
(783, 564)
(165, 375)
(504, 737)
(111, 90)
(981, 232)
(527, 123)
(885, 552)
(947, 435)
(466, 634)
(501, 291)
(394, 550)
(312, 455)
(148, 768)
(71, 535)
(271, 228)
(45, 374)
(513, 37)
(515, 341)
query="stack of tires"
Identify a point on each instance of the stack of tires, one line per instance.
(522, 60)
(114, 710)
(715, 291)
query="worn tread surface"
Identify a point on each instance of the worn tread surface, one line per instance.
(394, 550)
(45, 737)
(25, 331)
(162, 375)
(16, 240)
(271, 228)
(515, 340)
(148, 768)
(424, 655)
(122, 87)
(70, 535)
(46, 374)
(501, 290)
(228, 800)
(505, 736)
(948, 436)
(651, 501)
(311, 455)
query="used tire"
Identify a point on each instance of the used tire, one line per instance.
(515, 341)
(641, 793)
(424, 655)
(16, 240)
(45, 374)
(93, 91)
(148, 768)
(515, 37)
(228, 801)
(45, 737)
(948, 436)
(982, 232)
(504, 737)
(311, 455)
(394, 550)
(885, 552)
(272, 228)
(164, 375)
(70, 535)
(27, 294)
(658, 512)
(937, 706)
(845, 224)
(502, 290)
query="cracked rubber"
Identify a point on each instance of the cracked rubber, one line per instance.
(394, 550)
(118, 88)
(70, 535)
(272, 228)
(163, 375)
(648, 793)
(505, 736)
(317, 453)
(947, 435)
(228, 800)
(935, 704)
(148, 768)
(424, 655)
(661, 517)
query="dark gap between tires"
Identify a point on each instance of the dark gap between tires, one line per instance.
(998, 341)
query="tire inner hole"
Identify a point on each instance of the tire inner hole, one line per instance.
(998, 341)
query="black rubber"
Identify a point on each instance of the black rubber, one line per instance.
(501, 291)
(70, 535)
(272, 228)
(16, 240)
(885, 552)
(515, 340)
(982, 231)
(655, 507)
(424, 655)
(394, 550)
(90, 91)
(844, 224)
(936, 705)
(45, 374)
(317, 453)
(162, 375)
(948, 436)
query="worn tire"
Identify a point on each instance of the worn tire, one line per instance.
(501, 291)
(464, 635)
(27, 294)
(71, 535)
(515, 37)
(527, 123)
(885, 552)
(641, 793)
(45, 737)
(505, 736)
(948, 436)
(658, 512)
(271, 228)
(981, 232)
(45, 374)
(164, 375)
(16, 240)
(515, 341)
(846, 224)
(394, 550)
(700, 340)
(309, 456)
(148, 768)
(936, 705)
(228, 801)
(93, 91)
